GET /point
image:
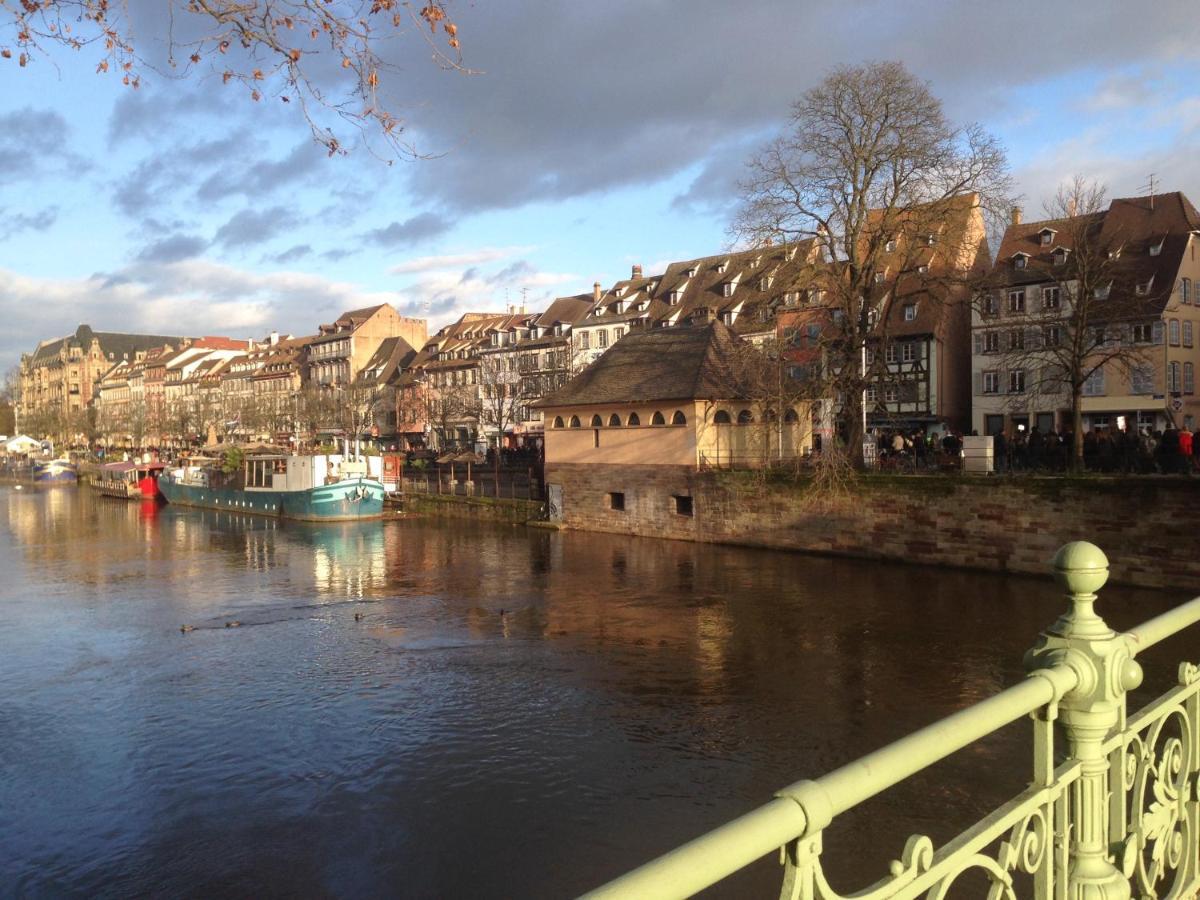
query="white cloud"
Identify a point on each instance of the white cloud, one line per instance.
(189, 297)
(457, 260)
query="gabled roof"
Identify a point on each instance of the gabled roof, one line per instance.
(707, 362)
(566, 311)
(387, 361)
(1130, 226)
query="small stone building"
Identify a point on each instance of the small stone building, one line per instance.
(626, 436)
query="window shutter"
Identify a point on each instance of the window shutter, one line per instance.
(1158, 332)
(1033, 338)
(978, 384)
(978, 343)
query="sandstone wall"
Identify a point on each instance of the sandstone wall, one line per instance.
(1148, 526)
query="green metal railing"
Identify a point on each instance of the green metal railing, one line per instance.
(1119, 817)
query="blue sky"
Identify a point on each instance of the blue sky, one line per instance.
(593, 138)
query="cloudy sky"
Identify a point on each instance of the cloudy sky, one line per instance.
(594, 136)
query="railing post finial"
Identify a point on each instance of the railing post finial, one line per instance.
(1106, 671)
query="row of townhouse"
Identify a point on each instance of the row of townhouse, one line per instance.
(478, 379)
(142, 389)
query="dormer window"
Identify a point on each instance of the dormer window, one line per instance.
(764, 283)
(910, 312)
(1019, 260)
(727, 289)
(890, 246)
(1046, 235)
(1156, 249)
(930, 239)
(879, 276)
(1144, 287)
(1060, 256)
(729, 317)
(676, 297)
(722, 266)
(1101, 293)
(691, 272)
(791, 298)
(815, 295)
(923, 269)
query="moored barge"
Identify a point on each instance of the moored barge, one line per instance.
(318, 488)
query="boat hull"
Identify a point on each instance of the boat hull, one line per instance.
(54, 472)
(339, 502)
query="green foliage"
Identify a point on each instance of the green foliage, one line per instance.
(232, 461)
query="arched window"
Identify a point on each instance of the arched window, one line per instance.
(745, 417)
(722, 418)
(772, 416)
(657, 419)
(633, 420)
(614, 421)
(597, 422)
(678, 418)
(574, 421)
(558, 421)
(791, 417)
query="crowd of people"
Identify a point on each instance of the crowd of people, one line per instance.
(1145, 452)
(917, 449)
(1173, 451)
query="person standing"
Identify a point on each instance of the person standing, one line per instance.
(1000, 450)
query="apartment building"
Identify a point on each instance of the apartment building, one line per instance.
(1111, 293)
(58, 378)
(342, 348)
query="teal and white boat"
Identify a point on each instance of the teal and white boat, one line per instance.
(321, 488)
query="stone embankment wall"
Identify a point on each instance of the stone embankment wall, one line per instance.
(1148, 526)
(499, 510)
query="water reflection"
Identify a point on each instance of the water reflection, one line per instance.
(442, 709)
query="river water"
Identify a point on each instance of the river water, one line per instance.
(421, 708)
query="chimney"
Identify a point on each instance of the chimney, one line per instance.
(637, 271)
(596, 291)
(1016, 215)
(274, 338)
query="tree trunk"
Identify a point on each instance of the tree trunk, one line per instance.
(855, 433)
(1076, 464)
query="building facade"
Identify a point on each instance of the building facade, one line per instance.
(1109, 292)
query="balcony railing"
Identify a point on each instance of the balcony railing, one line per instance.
(1118, 816)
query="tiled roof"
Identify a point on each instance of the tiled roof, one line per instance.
(706, 362)
(1130, 227)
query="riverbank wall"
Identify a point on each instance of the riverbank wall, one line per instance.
(1147, 525)
(489, 508)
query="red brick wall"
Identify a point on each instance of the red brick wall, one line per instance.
(1148, 527)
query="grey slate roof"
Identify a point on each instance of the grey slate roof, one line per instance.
(701, 362)
(116, 343)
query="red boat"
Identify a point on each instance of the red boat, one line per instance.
(129, 480)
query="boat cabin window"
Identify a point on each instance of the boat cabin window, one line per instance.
(259, 472)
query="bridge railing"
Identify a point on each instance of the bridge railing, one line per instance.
(1118, 816)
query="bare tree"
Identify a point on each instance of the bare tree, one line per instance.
(10, 398)
(443, 407)
(502, 396)
(1071, 310)
(871, 169)
(326, 57)
(136, 424)
(355, 406)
